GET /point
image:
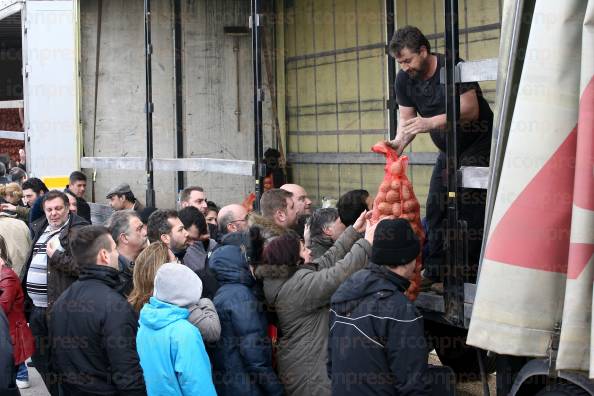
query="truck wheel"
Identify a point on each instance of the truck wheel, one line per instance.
(562, 389)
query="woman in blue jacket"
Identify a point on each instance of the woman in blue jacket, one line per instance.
(243, 355)
(171, 350)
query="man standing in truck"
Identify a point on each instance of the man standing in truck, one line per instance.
(421, 100)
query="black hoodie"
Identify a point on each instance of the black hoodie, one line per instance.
(377, 344)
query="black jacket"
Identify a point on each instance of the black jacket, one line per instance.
(93, 332)
(377, 344)
(243, 355)
(125, 276)
(62, 270)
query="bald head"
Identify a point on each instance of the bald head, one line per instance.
(300, 198)
(232, 218)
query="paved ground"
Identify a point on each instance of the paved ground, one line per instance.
(37, 387)
(465, 389)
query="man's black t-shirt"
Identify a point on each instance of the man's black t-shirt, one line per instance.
(428, 99)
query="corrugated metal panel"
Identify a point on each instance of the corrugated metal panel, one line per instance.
(335, 89)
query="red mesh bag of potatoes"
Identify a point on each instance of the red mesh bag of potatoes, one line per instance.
(396, 198)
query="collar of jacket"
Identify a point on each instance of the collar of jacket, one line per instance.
(125, 264)
(74, 220)
(400, 282)
(268, 228)
(103, 273)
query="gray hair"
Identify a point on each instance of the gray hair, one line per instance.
(321, 219)
(119, 223)
(224, 221)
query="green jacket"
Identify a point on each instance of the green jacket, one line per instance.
(301, 297)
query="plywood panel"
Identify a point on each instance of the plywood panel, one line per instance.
(328, 179)
(350, 178)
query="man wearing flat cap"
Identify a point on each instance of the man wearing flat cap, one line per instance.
(377, 343)
(121, 197)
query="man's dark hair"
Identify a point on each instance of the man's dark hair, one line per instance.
(53, 195)
(2, 169)
(17, 174)
(273, 200)
(119, 223)
(87, 241)
(351, 205)
(184, 195)
(34, 184)
(77, 176)
(129, 196)
(408, 37)
(321, 219)
(299, 226)
(158, 223)
(190, 215)
(211, 206)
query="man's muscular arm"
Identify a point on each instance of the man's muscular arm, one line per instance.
(469, 111)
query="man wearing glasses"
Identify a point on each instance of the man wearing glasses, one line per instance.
(232, 218)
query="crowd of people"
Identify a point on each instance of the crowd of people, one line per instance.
(201, 301)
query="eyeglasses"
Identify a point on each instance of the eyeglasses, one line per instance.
(245, 219)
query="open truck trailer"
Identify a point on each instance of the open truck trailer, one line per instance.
(528, 317)
(531, 307)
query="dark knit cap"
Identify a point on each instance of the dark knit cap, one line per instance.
(394, 243)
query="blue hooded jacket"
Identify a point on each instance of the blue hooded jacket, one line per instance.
(243, 355)
(171, 351)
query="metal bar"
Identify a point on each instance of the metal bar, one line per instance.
(10, 7)
(474, 177)
(223, 166)
(179, 81)
(257, 81)
(339, 132)
(453, 282)
(421, 158)
(215, 165)
(392, 106)
(12, 135)
(12, 104)
(474, 29)
(123, 163)
(481, 70)
(148, 49)
(322, 54)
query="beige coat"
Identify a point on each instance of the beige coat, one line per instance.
(17, 236)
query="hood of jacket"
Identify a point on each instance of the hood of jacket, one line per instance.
(229, 264)
(158, 314)
(373, 279)
(268, 228)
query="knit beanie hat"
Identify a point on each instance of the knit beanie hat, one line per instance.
(394, 243)
(178, 285)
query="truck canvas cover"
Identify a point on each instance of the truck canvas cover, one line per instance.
(538, 267)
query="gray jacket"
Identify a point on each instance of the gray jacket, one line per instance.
(196, 255)
(301, 298)
(204, 316)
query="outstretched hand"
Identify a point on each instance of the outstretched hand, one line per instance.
(370, 231)
(361, 223)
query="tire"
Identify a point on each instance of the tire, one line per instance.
(562, 389)
(450, 344)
